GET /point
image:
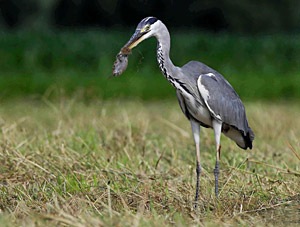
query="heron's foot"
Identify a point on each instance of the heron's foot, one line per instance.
(216, 173)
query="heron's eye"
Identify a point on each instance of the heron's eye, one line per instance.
(146, 28)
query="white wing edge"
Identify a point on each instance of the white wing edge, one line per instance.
(205, 94)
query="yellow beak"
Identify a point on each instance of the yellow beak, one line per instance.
(135, 39)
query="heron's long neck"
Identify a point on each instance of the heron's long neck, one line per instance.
(170, 71)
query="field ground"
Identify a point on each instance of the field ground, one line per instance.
(132, 163)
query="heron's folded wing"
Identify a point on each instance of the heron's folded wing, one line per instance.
(222, 101)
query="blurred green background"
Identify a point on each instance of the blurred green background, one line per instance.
(67, 47)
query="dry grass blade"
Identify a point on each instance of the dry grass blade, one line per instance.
(265, 208)
(68, 220)
(286, 171)
(23, 158)
(293, 150)
(175, 127)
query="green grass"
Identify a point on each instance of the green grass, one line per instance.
(35, 63)
(132, 163)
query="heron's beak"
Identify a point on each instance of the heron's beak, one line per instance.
(135, 39)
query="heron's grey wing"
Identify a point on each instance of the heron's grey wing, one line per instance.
(223, 102)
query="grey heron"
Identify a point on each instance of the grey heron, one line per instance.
(205, 96)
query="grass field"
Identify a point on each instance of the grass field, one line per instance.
(132, 163)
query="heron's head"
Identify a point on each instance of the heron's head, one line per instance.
(145, 29)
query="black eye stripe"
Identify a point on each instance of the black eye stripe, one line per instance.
(152, 20)
(148, 21)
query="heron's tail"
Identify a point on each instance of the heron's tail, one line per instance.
(249, 137)
(241, 138)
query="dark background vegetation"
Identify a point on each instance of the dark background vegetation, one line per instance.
(68, 46)
(248, 16)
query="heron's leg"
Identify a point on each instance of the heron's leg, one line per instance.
(196, 134)
(217, 126)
